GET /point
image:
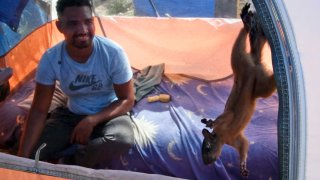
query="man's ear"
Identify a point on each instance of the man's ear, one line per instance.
(59, 25)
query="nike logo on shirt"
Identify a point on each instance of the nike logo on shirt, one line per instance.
(83, 81)
(74, 87)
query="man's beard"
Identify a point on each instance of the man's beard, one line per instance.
(82, 41)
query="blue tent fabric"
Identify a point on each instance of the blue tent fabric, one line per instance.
(18, 19)
(8, 38)
(174, 8)
(168, 135)
(10, 12)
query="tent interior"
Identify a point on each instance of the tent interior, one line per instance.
(190, 57)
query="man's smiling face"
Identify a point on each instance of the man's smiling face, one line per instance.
(77, 26)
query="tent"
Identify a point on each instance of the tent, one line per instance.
(196, 56)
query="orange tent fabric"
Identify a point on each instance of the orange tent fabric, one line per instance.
(195, 47)
(20, 175)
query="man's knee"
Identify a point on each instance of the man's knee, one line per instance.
(120, 131)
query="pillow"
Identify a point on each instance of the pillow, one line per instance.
(14, 110)
(59, 99)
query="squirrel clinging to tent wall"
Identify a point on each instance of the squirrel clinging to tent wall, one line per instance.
(251, 81)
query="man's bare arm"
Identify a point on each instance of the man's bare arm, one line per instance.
(36, 119)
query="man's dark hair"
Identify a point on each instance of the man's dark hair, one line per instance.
(62, 4)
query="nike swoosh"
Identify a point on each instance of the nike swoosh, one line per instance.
(73, 87)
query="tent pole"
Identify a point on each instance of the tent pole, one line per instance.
(154, 8)
(99, 20)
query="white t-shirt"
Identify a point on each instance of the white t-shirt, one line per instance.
(89, 86)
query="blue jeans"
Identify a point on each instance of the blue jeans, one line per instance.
(107, 141)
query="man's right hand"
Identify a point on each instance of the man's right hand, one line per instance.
(36, 120)
(83, 130)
